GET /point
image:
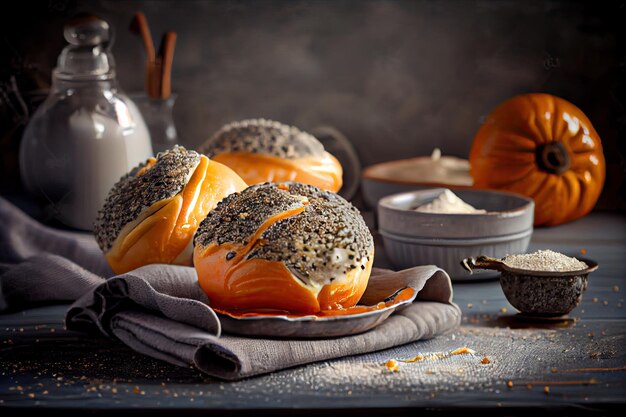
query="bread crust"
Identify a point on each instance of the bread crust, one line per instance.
(263, 136)
(144, 185)
(323, 242)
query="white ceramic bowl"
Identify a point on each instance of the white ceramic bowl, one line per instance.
(416, 238)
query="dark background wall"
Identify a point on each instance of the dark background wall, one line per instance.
(398, 78)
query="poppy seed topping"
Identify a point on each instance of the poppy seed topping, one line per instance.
(324, 241)
(152, 181)
(263, 136)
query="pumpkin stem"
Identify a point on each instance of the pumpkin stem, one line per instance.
(553, 158)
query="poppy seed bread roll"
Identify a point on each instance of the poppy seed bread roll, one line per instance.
(285, 247)
(262, 150)
(152, 213)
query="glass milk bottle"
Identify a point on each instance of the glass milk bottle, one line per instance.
(87, 134)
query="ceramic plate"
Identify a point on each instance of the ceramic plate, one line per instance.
(309, 327)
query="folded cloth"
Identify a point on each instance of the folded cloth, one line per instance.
(160, 310)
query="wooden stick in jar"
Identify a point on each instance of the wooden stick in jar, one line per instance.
(167, 55)
(139, 26)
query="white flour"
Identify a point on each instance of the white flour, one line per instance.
(449, 203)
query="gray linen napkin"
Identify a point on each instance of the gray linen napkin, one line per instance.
(160, 311)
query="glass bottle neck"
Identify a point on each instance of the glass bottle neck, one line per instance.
(59, 84)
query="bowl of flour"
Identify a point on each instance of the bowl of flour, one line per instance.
(441, 227)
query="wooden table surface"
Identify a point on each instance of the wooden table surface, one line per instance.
(576, 363)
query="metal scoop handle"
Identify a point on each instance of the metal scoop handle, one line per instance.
(483, 262)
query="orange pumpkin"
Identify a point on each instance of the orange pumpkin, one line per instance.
(543, 147)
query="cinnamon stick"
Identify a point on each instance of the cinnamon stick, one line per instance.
(139, 26)
(167, 57)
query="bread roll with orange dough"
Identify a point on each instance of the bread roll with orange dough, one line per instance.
(262, 150)
(152, 213)
(283, 247)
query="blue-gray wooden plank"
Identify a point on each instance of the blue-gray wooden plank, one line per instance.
(44, 365)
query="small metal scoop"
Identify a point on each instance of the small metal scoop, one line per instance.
(537, 293)
(485, 262)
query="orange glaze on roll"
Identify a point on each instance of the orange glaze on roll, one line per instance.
(165, 235)
(325, 173)
(236, 284)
